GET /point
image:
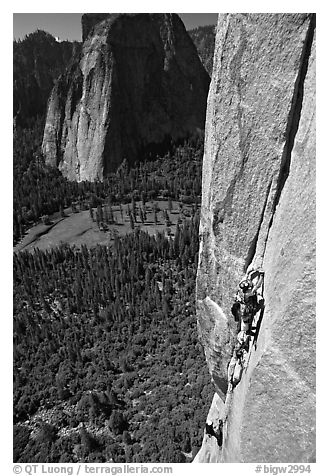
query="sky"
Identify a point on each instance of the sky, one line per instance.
(67, 26)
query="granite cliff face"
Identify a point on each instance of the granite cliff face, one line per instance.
(38, 60)
(204, 39)
(258, 208)
(89, 20)
(137, 85)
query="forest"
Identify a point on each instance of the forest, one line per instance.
(107, 362)
(42, 190)
(108, 366)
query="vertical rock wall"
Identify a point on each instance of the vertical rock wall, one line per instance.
(258, 207)
(137, 85)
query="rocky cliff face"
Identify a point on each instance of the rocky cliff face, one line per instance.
(89, 20)
(258, 208)
(38, 60)
(204, 39)
(137, 85)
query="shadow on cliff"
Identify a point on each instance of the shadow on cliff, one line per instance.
(168, 145)
(255, 330)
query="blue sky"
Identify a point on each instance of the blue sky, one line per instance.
(67, 26)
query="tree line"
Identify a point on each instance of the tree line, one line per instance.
(107, 362)
(41, 190)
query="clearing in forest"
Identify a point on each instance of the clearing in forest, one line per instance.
(79, 228)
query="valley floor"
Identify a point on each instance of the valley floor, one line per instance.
(78, 228)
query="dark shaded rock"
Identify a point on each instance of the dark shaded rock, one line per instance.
(258, 208)
(204, 39)
(89, 20)
(38, 60)
(137, 86)
(209, 452)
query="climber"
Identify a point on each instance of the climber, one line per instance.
(230, 371)
(245, 305)
(242, 337)
(247, 300)
(237, 372)
(235, 368)
(210, 431)
(242, 351)
(253, 274)
(219, 432)
(235, 310)
(243, 340)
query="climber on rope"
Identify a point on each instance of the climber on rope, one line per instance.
(235, 367)
(248, 301)
(243, 341)
(210, 431)
(248, 298)
(255, 274)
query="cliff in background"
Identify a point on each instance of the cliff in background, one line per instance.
(204, 39)
(258, 208)
(38, 60)
(89, 20)
(137, 86)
